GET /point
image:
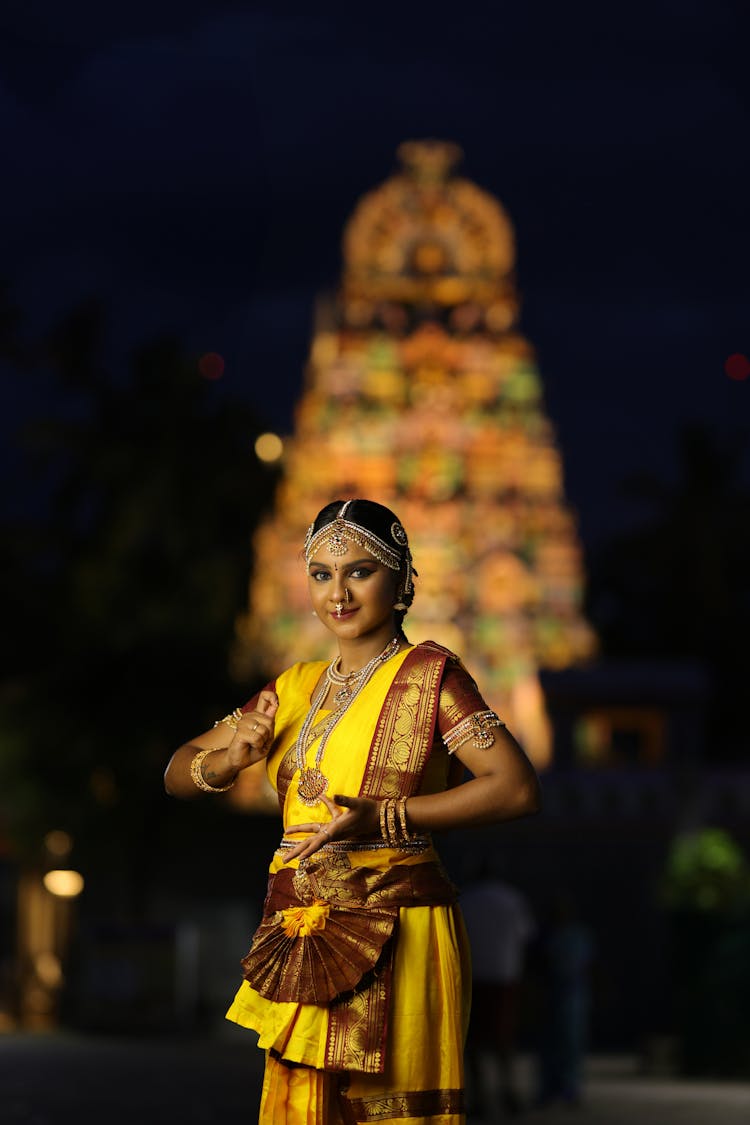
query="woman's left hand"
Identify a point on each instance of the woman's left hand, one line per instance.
(360, 818)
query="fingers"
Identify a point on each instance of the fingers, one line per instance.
(256, 728)
(331, 805)
(268, 703)
(253, 737)
(340, 824)
(306, 848)
(303, 851)
(347, 802)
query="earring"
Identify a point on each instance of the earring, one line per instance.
(400, 605)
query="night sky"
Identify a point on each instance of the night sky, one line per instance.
(194, 170)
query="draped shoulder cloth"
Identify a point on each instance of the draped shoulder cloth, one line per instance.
(327, 932)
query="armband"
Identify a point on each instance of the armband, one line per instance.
(477, 727)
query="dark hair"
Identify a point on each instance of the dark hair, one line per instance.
(379, 520)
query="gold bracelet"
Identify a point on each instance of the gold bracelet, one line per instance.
(198, 778)
(390, 817)
(232, 719)
(383, 828)
(405, 833)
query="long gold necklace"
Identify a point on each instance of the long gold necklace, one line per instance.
(312, 781)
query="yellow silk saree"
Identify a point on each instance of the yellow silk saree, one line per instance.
(358, 978)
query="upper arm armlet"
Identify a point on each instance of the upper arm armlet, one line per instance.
(464, 714)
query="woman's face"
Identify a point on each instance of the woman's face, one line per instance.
(371, 589)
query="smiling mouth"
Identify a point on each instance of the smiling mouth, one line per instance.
(342, 616)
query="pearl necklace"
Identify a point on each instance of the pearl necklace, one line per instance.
(347, 683)
(312, 782)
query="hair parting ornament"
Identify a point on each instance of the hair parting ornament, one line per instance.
(340, 532)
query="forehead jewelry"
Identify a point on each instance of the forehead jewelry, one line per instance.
(336, 536)
(312, 781)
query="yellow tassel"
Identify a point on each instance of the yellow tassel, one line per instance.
(299, 921)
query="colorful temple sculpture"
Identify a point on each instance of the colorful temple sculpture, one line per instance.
(421, 393)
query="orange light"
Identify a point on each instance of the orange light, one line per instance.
(269, 447)
(64, 883)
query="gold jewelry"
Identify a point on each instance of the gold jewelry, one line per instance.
(312, 781)
(416, 845)
(405, 833)
(390, 820)
(337, 535)
(348, 683)
(196, 773)
(393, 827)
(347, 599)
(477, 727)
(232, 719)
(383, 828)
(256, 726)
(340, 531)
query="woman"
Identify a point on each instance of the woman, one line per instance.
(358, 977)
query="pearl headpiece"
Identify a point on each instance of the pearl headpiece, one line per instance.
(337, 535)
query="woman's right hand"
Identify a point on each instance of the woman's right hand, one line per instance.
(254, 735)
(250, 742)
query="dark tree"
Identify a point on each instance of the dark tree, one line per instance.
(121, 597)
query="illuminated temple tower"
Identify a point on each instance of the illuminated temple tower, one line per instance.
(422, 394)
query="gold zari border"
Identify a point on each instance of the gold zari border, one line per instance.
(419, 1103)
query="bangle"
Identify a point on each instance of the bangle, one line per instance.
(232, 719)
(383, 829)
(390, 819)
(405, 833)
(393, 827)
(196, 773)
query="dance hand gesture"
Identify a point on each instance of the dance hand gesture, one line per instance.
(360, 818)
(254, 735)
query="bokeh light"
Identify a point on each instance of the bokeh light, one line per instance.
(737, 367)
(269, 447)
(211, 365)
(64, 883)
(58, 843)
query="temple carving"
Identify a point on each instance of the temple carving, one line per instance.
(421, 392)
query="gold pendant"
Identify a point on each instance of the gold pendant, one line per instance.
(312, 784)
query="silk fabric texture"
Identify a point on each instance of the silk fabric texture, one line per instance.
(390, 1049)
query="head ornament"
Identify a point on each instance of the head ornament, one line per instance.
(338, 534)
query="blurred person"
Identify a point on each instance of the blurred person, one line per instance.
(566, 954)
(357, 980)
(500, 925)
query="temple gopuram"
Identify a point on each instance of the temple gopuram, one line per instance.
(422, 393)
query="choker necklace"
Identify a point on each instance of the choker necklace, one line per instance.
(348, 683)
(312, 782)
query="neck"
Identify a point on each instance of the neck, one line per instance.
(356, 653)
